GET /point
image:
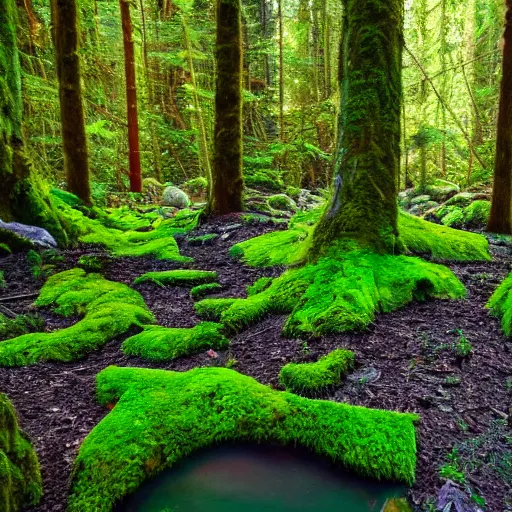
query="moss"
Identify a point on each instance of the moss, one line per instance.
(178, 277)
(500, 304)
(4, 249)
(14, 241)
(3, 284)
(212, 309)
(200, 291)
(203, 239)
(260, 285)
(161, 417)
(312, 378)
(454, 217)
(341, 291)
(20, 478)
(126, 219)
(22, 324)
(165, 344)
(195, 186)
(110, 309)
(67, 197)
(477, 213)
(267, 179)
(90, 263)
(282, 202)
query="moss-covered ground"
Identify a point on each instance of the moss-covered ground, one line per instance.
(20, 479)
(178, 277)
(500, 304)
(312, 378)
(160, 417)
(108, 310)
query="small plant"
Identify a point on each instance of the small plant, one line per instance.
(305, 348)
(479, 500)
(202, 240)
(463, 347)
(452, 380)
(43, 264)
(90, 263)
(508, 384)
(22, 324)
(451, 470)
(231, 363)
(3, 283)
(463, 426)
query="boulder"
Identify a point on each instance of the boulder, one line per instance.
(38, 236)
(173, 196)
(441, 190)
(423, 198)
(282, 202)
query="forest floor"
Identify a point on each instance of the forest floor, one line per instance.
(406, 362)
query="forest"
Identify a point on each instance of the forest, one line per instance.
(255, 255)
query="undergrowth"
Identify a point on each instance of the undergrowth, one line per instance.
(160, 417)
(202, 290)
(178, 277)
(500, 304)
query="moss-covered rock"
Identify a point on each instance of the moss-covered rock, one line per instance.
(500, 304)
(164, 344)
(202, 239)
(212, 309)
(110, 309)
(170, 415)
(312, 378)
(282, 202)
(202, 290)
(178, 277)
(173, 196)
(20, 478)
(196, 187)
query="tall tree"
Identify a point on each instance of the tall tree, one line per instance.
(74, 140)
(227, 180)
(500, 220)
(131, 97)
(364, 204)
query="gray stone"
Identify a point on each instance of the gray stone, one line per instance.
(452, 498)
(173, 196)
(38, 236)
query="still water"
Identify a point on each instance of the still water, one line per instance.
(241, 478)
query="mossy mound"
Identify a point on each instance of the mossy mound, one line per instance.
(202, 290)
(178, 277)
(110, 309)
(20, 479)
(161, 417)
(342, 291)
(127, 219)
(500, 304)
(313, 378)
(164, 344)
(473, 216)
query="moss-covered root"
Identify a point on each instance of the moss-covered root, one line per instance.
(164, 344)
(178, 277)
(171, 414)
(20, 479)
(500, 304)
(313, 378)
(340, 292)
(202, 290)
(110, 309)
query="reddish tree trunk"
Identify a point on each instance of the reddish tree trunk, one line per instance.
(131, 98)
(500, 220)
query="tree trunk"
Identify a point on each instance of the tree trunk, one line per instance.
(227, 181)
(131, 98)
(281, 71)
(500, 220)
(74, 140)
(364, 204)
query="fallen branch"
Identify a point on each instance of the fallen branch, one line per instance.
(18, 297)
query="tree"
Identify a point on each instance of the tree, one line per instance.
(500, 220)
(367, 163)
(131, 98)
(74, 140)
(227, 180)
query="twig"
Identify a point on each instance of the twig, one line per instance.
(7, 312)
(17, 297)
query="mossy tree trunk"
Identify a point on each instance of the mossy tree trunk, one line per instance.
(21, 194)
(500, 220)
(364, 199)
(74, 140)
(227, 180)
(131, 98)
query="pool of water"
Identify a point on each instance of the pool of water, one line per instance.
(235, 478)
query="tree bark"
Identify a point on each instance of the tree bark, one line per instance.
(363, 205)
(131, 98)
(500, 220)
(72, 118)
(227, 180)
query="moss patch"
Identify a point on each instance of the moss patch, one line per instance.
(164, 344)
(212, 309)
(312, 378)
(110, 309)
(178, 277)
(500, 304)
(20, 479)
(161, 417)
(22, 324)
(202, 290)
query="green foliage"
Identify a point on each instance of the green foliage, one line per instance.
(90, 263)
(20, 478)
(165, 344)
(260, 285)
(67, 197)
(195, 186)
(43, 264)
(4, 249)
(202, 290)
(178, 277)
(463, 347)
(14, 242)
(312, 378)
(451, 470)
(500, 304)
(202, 240)
(3, 283)
(127, 219)
(171, 415)
(110, 309)
(282, 202)
(212, 309)
(22, 324)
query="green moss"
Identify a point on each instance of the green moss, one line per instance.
(3, 283)
(267, 179)
(178, 277)
(67, 197)
(212, 309)
(90, 263)
(5, 249)
(110, 309)
(22, 324)
(20, 478)
(126, 219)
(202, 290)
(15, 242)
(203, 239)
(161, 417)
(341, 291)
(282, 202)
(312, 378)
(260, 285)
(477, 213)
(500, 304)
(195, 186)
(454, 217)
(164, 344)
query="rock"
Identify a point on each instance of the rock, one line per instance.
(152, 190)
(421, 208)
(38, 236)
(173, 196)
(424, 198)
(282, 202)
(405, 197)
(452, 498)
(441, 190)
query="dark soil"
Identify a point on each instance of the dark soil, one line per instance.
(407, 362)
